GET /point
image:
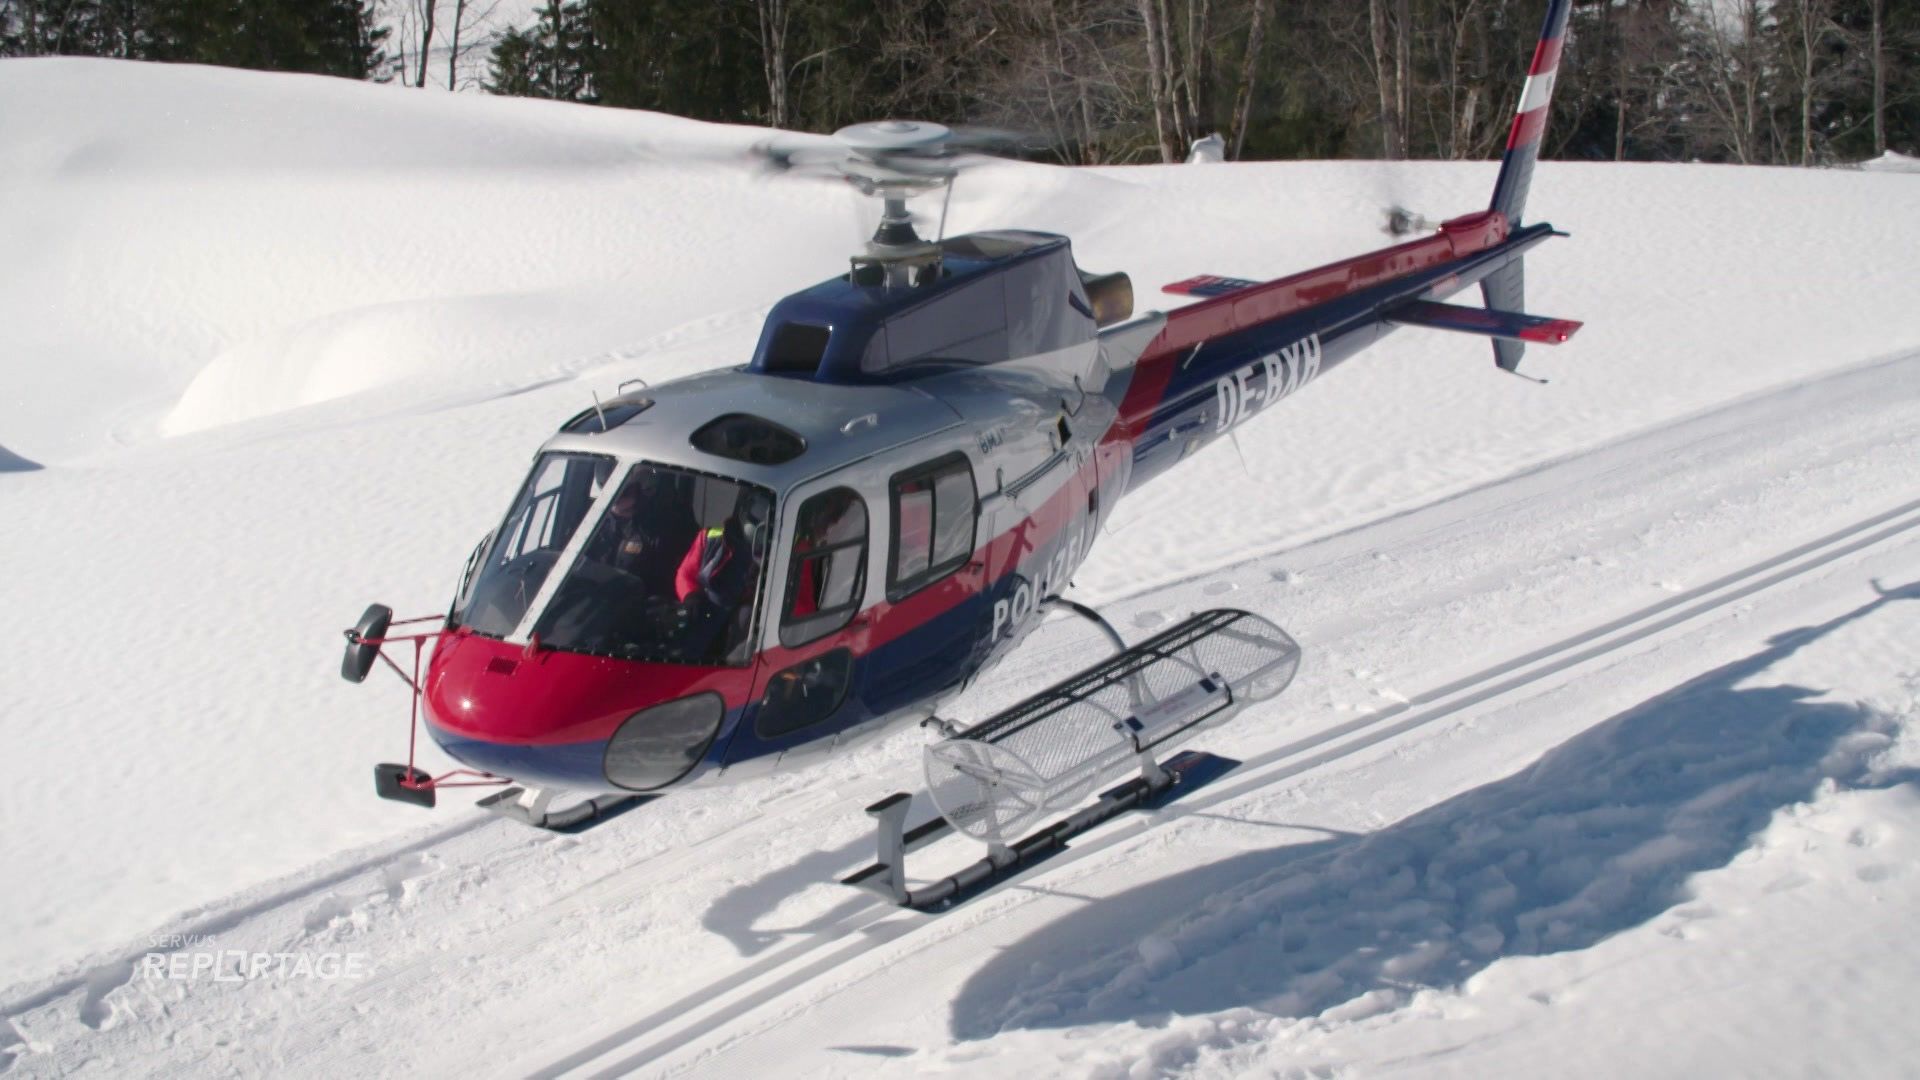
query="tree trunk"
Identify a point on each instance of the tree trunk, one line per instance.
(1622, 83)
(1195, 79)
(775, 17)
(1160, 89)
(1807, 36)
(1383, 74)
(453, 53)
(1750, 79)
(1249, 67)
(1169, 63)
(1620, 130)
(1879, 62)
(554, 50)
(1460, 114)
(1403, 75)
(426, 41)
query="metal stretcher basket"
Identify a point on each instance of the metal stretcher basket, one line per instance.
(1004, 776)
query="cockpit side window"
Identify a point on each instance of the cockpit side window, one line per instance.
(550, 507)
(935, 509)
(827, 575)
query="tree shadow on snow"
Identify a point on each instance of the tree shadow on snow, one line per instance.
(1596, 837)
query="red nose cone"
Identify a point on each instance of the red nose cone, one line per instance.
(481, 688)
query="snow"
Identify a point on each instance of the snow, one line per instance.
(1603, 748)
(1892, 161)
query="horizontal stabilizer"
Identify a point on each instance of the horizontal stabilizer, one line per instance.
(1509, 325)
(1208, 285)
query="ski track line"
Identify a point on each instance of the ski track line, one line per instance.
(788, 969)
(230, 918)
(1717, 421)
(94, 974)
(525, 933)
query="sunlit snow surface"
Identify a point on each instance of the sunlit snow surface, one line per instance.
(278, 346)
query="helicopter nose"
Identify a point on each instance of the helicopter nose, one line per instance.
(547, 717)
(481, 688)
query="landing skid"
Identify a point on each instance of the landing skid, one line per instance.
(530, 806)
(1001, 778)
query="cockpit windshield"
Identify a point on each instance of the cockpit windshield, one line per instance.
(671, 574)
(556, 497)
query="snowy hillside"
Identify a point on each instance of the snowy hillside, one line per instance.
(1602, 754)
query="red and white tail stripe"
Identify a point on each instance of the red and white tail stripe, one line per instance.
(1537, 97)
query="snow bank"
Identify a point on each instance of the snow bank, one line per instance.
(232, 236)
(1892, 161)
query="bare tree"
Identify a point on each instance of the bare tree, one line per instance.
(1386, 55)
(1729, 73)
(1812, 24)
(1154, 14)
(1878, 59)
(776, 18)
(1249, 67)
(1066, 69)
(1196, 75)
(426, 38)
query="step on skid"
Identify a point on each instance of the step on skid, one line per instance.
(996, 781)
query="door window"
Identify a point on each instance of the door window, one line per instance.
(828, 571)
(805, 694)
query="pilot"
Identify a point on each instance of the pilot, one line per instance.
(716, 577)
(647, 529)
(630, 537)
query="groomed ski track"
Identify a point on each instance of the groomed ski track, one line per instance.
(643, 1044)
(483, 919)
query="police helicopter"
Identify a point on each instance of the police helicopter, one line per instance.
(747, 570)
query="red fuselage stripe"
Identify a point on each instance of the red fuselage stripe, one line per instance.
(1242, 309)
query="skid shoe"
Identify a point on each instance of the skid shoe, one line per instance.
(533, 806)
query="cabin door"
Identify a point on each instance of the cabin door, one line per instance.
(806, 687)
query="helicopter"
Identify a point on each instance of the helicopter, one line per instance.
(749, 570)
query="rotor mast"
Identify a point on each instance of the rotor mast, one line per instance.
(893, 161)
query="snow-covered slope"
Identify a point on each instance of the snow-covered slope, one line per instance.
(277, 346)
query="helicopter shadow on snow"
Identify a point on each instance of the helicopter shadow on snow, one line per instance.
(737, 914)
(1596, 837)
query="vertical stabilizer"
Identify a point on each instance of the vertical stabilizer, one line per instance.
(1530, 120)
(1506, 289)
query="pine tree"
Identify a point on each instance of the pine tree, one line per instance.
(510, 65)
(554, 59)
(701, 61)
